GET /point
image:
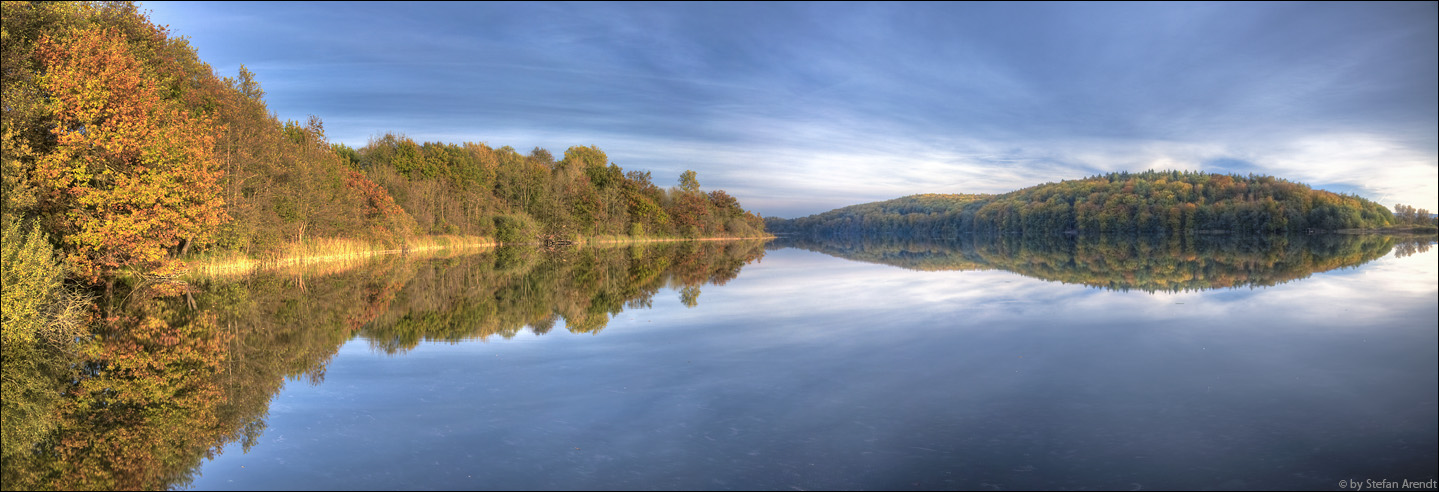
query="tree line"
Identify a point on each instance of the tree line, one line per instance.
(1123, 202)
(129, 152)
(1405, 214)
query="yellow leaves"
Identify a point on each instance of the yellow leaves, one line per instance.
(135, 168)
(97, 91)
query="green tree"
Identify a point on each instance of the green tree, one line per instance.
(688, 182)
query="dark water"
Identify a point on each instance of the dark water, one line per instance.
(993, 365)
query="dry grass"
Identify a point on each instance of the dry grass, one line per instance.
(323, 256)
(328, 255)
(609, 239)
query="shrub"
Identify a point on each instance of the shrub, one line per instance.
(510, 229)
(42, 326)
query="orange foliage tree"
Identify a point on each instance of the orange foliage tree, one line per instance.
(132, 176)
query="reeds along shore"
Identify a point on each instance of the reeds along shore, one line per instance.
(335, 252)
(342, 254)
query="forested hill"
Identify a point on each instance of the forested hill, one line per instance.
(126, 151)
(1147, 202)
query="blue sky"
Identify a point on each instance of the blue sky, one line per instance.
(799, 108)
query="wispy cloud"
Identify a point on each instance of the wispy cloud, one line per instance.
(798, 108)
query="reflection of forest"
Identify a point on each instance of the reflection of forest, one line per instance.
(1148, 263)
(504, 292)
(183, 370)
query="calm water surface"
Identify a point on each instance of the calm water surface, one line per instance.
(811, 371)
(907, 366)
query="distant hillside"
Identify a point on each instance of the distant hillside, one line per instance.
(1148, 202)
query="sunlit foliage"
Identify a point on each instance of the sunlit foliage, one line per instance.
(473, 189)
(131, 174)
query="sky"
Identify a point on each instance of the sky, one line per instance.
(799, 108)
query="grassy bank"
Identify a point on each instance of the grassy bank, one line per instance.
(611, 239)
(341, 254)
(337, 252)
(1415, 230)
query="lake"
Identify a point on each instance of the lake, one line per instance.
(1012, 363)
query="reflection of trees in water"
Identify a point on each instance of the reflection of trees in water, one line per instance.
(1148, 263)
(478, 297)
(143, 410)
(1413, 245)
(181, 371)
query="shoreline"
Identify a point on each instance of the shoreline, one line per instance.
(586, 241)
(340, 253)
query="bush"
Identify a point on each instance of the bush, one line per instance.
(510, 229)
(42, 325)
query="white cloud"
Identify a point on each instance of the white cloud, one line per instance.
(1385, 171)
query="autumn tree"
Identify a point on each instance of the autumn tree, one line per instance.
(132, 178)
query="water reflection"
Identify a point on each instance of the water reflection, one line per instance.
(808, 371)
(1146, 263)
(181, 371)
(477, 297)
(815, 372)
